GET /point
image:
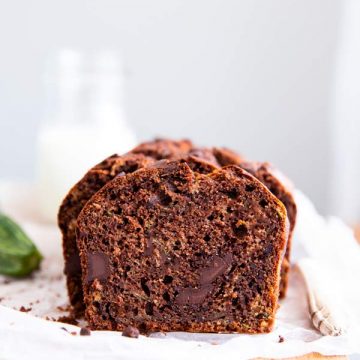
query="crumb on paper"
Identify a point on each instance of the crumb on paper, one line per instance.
(69, 332)
(84, 331)
(131, 332)
(24, 309)
(281, 339)
(49, 318)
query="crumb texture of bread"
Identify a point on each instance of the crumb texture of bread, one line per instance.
(167, 248)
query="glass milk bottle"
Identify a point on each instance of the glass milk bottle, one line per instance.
(88, 125)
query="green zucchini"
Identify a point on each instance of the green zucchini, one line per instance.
(18, 254)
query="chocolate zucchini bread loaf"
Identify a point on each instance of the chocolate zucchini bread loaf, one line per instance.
(169, 248)
(93, 181)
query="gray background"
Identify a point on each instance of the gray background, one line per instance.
(252, 75)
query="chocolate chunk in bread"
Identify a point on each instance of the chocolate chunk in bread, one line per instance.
(71, 206)
(182, 251)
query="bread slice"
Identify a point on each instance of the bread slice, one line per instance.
(278, 184)
(168, 248)
(281, 187)
(73, 203)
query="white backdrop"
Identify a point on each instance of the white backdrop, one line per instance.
(252, 75)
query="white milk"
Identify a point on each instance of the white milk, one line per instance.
(88, 127)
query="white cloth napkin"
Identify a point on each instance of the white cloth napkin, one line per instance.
(28, 335)
(329, 257)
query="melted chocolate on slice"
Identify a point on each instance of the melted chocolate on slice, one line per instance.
(98, 266)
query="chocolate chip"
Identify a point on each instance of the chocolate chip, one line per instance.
(217, 267)
(193, 295)
(281, 339)
(131, 332)
(98, 266)
(85, 331)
